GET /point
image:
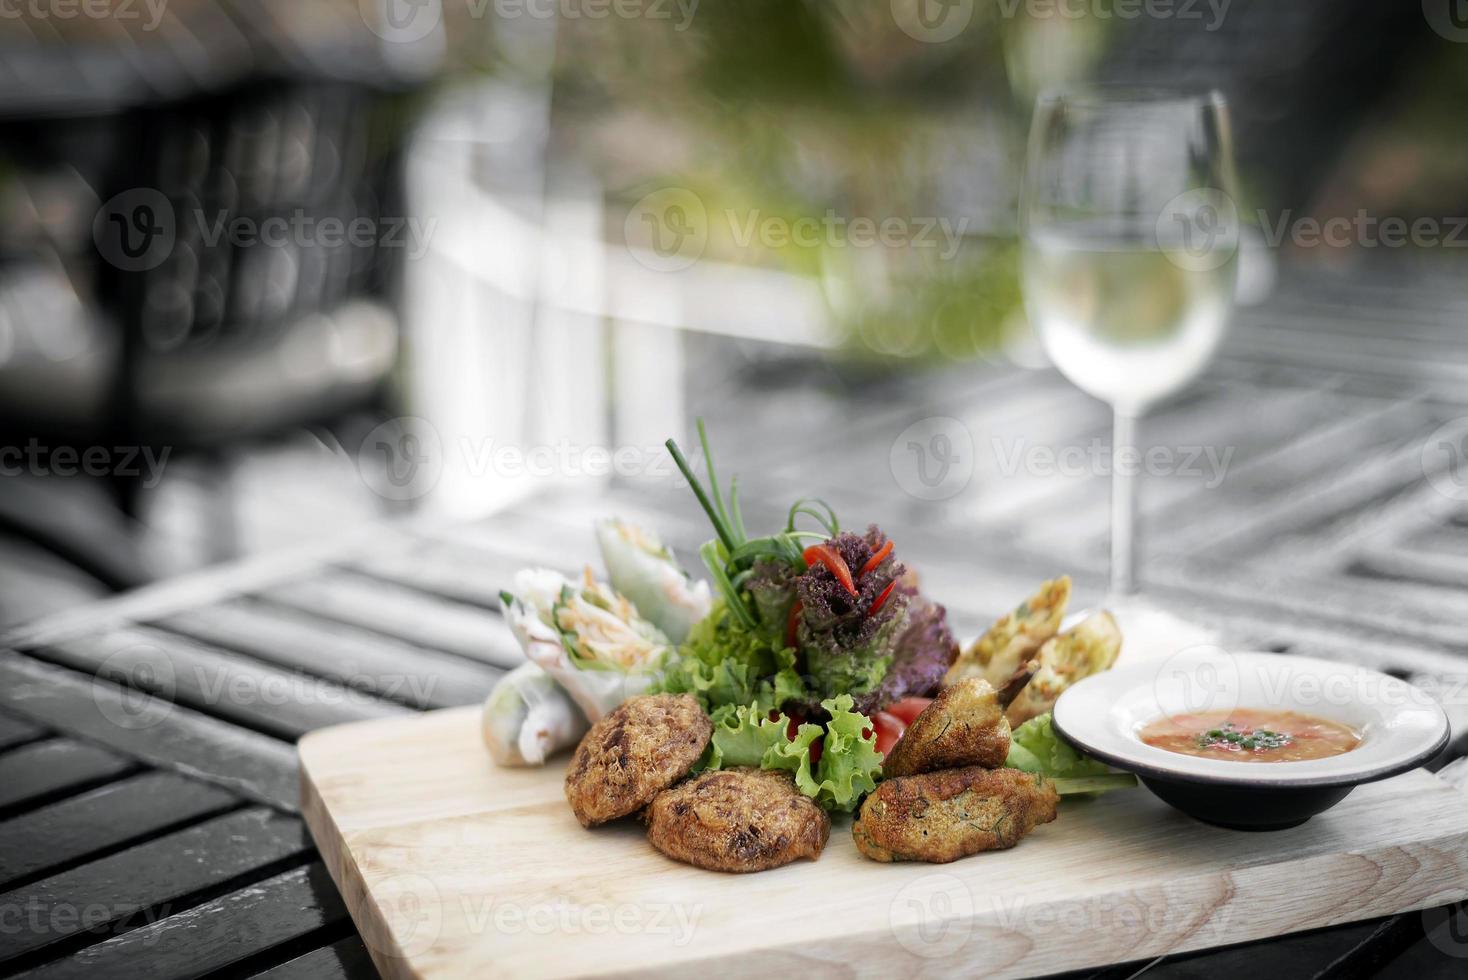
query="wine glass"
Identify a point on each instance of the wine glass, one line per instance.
(1130, 238)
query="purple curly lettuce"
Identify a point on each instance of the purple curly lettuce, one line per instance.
(925, 651)
(845, 649)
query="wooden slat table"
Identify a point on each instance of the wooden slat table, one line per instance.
(148, 782)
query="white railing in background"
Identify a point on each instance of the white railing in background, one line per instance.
(526, 327)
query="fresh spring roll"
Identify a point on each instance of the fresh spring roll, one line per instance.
(643, 569)
(589, 639)
(528, 718)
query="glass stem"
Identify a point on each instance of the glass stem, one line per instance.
(1123, 503)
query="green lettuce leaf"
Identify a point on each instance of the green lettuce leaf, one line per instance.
(846, 771)
(724, 664)
(849, 761)
(742, 736)
(1036, 747)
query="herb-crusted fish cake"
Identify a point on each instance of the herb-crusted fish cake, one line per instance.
(737, 820)
(641, 748)
(964, 726)
(942, 816)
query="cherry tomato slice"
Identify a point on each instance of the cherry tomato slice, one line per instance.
(908, 708)
(889, 729)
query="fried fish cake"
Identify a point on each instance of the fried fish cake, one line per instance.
(737, 820)
(942, 816)
(964, 726)
(641, 748)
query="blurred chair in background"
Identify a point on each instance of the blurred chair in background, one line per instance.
(197, 231)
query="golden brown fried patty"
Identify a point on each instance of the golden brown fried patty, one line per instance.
(964, 726)
(737, 820)
(644, 746)
(943, 816)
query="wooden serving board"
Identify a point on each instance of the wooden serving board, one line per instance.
(454, 867)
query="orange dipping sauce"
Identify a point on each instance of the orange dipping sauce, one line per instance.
(1251, 735)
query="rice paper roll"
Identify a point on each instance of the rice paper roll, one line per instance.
(588, 638)
(644, 570)
(528, 718)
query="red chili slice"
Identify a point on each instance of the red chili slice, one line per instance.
(881, 597)
(835, 564)
(879, 556)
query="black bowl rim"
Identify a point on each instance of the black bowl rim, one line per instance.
(1244, 782)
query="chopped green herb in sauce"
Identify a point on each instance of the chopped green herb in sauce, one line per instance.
(1231, 738)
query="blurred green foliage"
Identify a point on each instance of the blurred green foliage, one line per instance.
(778, 111)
